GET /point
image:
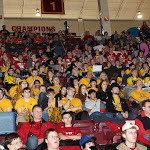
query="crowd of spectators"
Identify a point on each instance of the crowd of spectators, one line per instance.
(31, 67)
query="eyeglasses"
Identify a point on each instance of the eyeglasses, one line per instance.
(53, 137)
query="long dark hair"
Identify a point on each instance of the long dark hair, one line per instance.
(100, 87)
(80, 95)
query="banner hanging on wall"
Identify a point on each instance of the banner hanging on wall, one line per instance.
(52, 7)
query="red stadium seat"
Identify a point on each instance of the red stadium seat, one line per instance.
(86, 126)
(117, 138)
(102, 125)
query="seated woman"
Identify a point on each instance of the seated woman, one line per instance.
(82, 93)
(76, 84)
(144, 70)
(119, 78)
(102, 77)
(49, 77)
(102, 92)
(35, 89)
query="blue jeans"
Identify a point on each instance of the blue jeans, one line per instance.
(130, 115)
(105, 114)
(32, 142)
(147, 136)
(45, 115)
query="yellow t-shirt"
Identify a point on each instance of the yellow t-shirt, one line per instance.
(23, 105)
(119, 79)
(30, 80)
(12, 91)
(128, 71)
(147, 79)
(131, 80)
(55, 88)
(52, 106)
(96, 89)
(98, 81)
(82, 71)
(4, 104)
(85, 81)
(142, 71)
(36, 93)
(140, 95)
(90, 68)
(4, 69)
(75, 102)
(9, 79)
(77, 89)
(117, 103)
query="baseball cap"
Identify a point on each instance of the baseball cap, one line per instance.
(85, 138)
(128, 126)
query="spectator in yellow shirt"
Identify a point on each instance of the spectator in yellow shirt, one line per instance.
(56, 87)
(139, 95)
(5, 104)
(36, 89)
(144, 70)
(9, 80)
(16, 91)
(93, 85)
(76, 84)
(74, 105)
(131, 80)
(147, 79)
(86, 81)
(50, 111)
(24, 106)
(34, 76)
(102, 77)
(119, 78)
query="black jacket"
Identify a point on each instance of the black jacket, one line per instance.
(110, 106)
(103, 96)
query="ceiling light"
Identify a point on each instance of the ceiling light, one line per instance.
(139, 15)
(38, 12)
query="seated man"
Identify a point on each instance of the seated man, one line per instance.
(32, 133)
(56, 85)
(87, 141)
(5, 104)
(129, 134)
(24, 105)
(86, 81)
(69, 136)
(139, 95)
(74, 105)
(143, 122)
(50, 113)
(9, 80)
(13, 141)
(117, 105)
(95, 106)
(132, 80)
(52, 139)
(34, 76)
